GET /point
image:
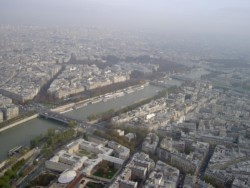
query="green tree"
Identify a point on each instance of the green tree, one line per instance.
(51, 132)
(72, 124)
(4, 183)
(10, 174)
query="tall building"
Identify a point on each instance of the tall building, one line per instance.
(7, 109)
(1, 116)
(10, 111)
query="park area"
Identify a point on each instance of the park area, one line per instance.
(105, 170)
(86, 153)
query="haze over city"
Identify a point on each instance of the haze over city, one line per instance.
(124, 93)
(194, 16)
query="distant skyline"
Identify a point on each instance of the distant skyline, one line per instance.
(226, 19)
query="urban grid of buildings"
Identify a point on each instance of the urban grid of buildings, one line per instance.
(217, 120)
(199, 130)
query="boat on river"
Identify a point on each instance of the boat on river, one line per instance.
(14, 150)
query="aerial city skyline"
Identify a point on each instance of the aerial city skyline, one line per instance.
(120, 94)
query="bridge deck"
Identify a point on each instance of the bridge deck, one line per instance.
(61, 118)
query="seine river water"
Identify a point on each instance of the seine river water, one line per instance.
(114, 103)
(23, 133)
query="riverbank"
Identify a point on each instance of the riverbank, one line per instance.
(24, 157)
(18, 122)
(97, 99)
(23, 133)
(108, 114)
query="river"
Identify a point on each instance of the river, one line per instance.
(196, 74)
(115, 103)
(23, 133)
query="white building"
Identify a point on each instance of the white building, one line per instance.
(84, 155)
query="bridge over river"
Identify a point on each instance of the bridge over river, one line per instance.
(61, 118)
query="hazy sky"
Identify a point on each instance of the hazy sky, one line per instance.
(230, 17)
